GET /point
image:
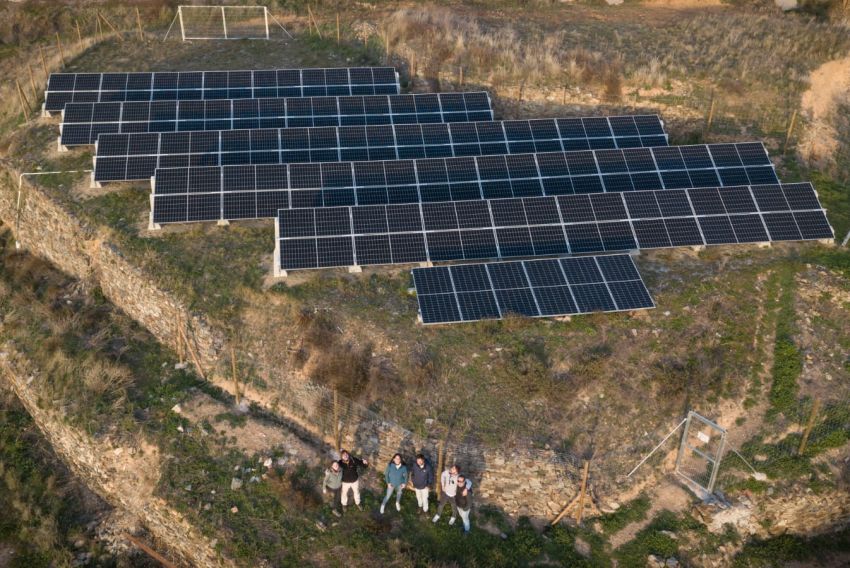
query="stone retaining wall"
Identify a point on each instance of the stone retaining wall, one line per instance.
(123, 476)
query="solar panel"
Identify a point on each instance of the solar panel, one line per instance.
(445, 179)
(83, 122)
(544, 226)
(531, 288)
(65, 88)
(125, 157)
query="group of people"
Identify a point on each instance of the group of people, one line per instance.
(343, 477)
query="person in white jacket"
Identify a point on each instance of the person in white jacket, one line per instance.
(448, 490)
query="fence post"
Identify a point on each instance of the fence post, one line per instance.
(32, 82)
(61, 51)
(139, 23)
(337, 441)
(387, 44)
(337, 28)
(582, 492)
(235, 375)
(564, 96)
(24, 102)
(710, 113)
(791, 125)
(43, 63)
(79, 33)
(441, 447)
(809, 425)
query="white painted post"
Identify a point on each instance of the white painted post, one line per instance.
(224, 22)
(266, 17)
(182, 28)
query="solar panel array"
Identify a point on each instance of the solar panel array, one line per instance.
(541, 226)
(82, 123)
(124, 157)
(65, 88)
(356, 174)
(243, 192)
(531, 288)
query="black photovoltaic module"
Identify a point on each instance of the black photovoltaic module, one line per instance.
(541, 226)
(247, 192)
(530, 288)
(82, 123)
(65, 88)
(125, 157)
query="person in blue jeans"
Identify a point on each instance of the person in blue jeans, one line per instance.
(463, 501)
(396, 477)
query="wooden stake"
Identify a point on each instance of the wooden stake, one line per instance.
(460, 79)
(313, 19)
(387, 44)
(337, 28)
(32, 82)
(79, 33)
(98, 28)
(43, 63)
(337, 441)
(139, 22)
(150, 551)
(23, 99)
(441, 456)
(233, 369)
(192, 354)
(580, 511)
(114, 29)
(564, 96)
(61, 51)
(710, 113)
(809, 425)
(179, 339)
(790, 131)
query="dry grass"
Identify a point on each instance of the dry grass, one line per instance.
(725, 47)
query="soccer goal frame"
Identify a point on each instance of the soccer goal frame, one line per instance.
(223, 10)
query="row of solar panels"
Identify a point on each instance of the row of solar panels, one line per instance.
(370, 180)
(65, 88)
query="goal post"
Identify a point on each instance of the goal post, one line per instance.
(223, 22)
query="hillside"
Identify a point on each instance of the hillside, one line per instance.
(179, 343)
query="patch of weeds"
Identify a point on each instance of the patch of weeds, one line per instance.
(788, 359)
(235, 420)
(632, 512)
(784, 549)
(653, 540)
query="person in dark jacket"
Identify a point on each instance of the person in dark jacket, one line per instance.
(396, 476)
(422, 477)
(463, 501)
(448, 486)
(350, 467)
(333, 482)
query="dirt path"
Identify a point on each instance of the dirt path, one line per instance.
(667, 495)
(828, 84)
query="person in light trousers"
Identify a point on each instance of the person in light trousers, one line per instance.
(448, 485)
(333, 482)
(422, 477)
(350, 467)
(396, 477)
(463, 501)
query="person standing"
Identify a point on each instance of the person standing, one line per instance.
(422, 477)
(350, 467)
(448, 490)
(396, 477)
(463, 501)
(333, 482)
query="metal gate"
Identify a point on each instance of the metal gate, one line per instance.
(700, 452)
